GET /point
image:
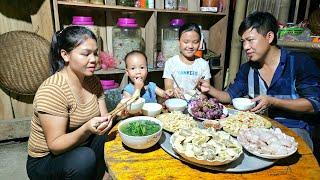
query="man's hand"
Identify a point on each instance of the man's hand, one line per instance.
(263, 103)
(204, 86)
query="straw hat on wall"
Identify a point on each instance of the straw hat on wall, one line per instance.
(24, 63)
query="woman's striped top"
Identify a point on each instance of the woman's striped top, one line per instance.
(55, 97)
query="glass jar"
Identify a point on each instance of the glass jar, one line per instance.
(210, 3)
(182, 5)
(126, 37)
(171, 4)
(126, 3)
(170, 38)
(100, 2)
(86, 21)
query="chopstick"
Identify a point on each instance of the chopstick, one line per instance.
(135, 96)
(182, 97)
(174, 79)
(195, 87)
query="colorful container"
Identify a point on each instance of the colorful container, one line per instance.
(126, 37)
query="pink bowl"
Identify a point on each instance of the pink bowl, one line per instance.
(107, 82)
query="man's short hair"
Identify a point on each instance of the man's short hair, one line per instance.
(263, 22)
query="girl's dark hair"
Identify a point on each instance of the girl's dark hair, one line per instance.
(67, 39)
(135, 52)
(189, 27)
(263, 22)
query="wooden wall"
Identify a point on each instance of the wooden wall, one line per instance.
(28, 15)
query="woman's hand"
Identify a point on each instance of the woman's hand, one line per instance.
(178, 92)
(99, 125)
(168, 93)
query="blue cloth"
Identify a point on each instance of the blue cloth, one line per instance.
(297, 76)
(150, 92)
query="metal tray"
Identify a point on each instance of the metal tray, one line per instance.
(245, 163)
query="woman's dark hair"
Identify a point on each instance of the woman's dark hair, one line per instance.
(67, 39)
(135, 52)
(263, 22)
(189, 27)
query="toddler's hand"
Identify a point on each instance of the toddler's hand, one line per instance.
(138, 83)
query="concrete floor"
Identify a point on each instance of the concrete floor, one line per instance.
(13, 158)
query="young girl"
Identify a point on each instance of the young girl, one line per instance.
(136, 69)
(70, 117)
(186, 69)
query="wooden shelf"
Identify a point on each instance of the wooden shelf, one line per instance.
(121, 71)
(121, 8)
(297, 44)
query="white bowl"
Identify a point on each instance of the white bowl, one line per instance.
(151, 109)
(136, 106)
(176, 104)
(243, 104)
(140, 142)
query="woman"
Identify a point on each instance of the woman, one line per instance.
(70, 116)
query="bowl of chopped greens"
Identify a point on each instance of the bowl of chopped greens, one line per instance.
(140, 132)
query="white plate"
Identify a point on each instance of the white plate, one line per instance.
(245, 163)
(203, 162)
(267, 156)
(224, 111)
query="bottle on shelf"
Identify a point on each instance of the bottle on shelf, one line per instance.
(171, 4)
(202, 46)
(170, 38)
(129, 3)
(182, 5)
(86, 21)
(126, 37)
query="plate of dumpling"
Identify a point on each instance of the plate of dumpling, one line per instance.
(206, 146)
(267, 143)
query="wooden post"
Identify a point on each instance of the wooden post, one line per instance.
(236, 45)
(193, 5)
(284, 11)
(159, 4)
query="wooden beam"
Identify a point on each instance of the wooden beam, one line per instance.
(236, 45)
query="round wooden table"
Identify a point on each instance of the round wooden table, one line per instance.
(155, 163)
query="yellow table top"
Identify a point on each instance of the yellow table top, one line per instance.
(155, 163)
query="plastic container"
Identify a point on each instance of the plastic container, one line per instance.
(100, 2)
(209, 5)
(170, 38)
(171, 4)
(126, 37)
(86, 21)
(294, 31)
(182, 5)
(129, 3)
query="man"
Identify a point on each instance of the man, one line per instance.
(285, 83)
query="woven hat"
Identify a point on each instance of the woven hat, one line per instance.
(24, 63)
